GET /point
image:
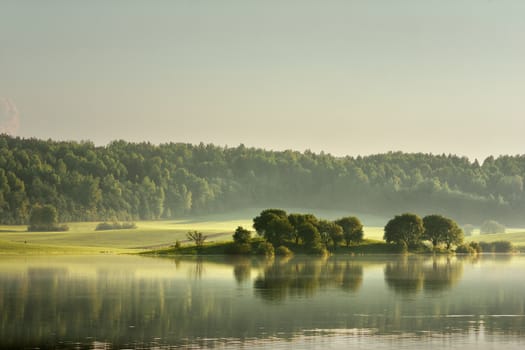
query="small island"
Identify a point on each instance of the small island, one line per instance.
(283, 234)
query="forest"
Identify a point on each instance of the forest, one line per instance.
(143, 181)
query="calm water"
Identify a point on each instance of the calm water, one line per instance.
(114, 302)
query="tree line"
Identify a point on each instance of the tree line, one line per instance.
(141, 181)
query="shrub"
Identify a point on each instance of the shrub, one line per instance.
(241, 235)
(104, 226)
(476, 246)
(197, 237)
(502, 247)
(239, 248)
(496, 247)
(465, 249)
(318, 250)
(266, 249)
(485, 247)
(283, 251)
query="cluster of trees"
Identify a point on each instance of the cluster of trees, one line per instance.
(131, 181)
(45, 218)
(409, 231)
(279, 228)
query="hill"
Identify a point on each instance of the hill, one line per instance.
(141, 181)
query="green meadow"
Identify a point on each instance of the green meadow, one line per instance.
(83, 239)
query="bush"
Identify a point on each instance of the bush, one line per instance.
(476, 246)
(318, 250)
(496, 247)
(241, 235)
(283, 251)
(502, 247)
(197, 237)
(465, 249)
(266, 249)
(48, 228)
(104, 226)
(485, 247)
(239, 248)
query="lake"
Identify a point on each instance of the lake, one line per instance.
(115, 302)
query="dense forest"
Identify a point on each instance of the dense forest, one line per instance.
(131, 181)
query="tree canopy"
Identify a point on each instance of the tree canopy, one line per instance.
(352, 229)
(406, 229)
(45, 218)
(439, 229)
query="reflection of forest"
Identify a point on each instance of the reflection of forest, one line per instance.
(412, 274)
(305, 277)
(45, 306)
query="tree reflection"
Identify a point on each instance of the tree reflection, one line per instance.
(442, 274)
(303, 278)
(242, 269)
(404, 276)
(128, 307)
(410, 275)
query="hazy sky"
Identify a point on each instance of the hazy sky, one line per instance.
(346, 77)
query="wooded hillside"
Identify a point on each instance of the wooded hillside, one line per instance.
(131, 181)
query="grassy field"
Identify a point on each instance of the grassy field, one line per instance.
(82, 237)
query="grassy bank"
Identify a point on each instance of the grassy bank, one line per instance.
(218, 248)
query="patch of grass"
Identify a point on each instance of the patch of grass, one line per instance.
(17, 248)
(374, 232)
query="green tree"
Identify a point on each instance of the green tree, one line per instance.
(406, 229)
(261, 222)
(310, 235)
(331, 233)
(352, 229)
(296, 220)
(241, 235)
(454, 235)
(439, 229)
(273, 225)
(44, 218)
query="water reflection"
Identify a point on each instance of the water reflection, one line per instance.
(305, 277)
(242, 270)
(410, 275)
(133, 302)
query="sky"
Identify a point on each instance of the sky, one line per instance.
(344, 77)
